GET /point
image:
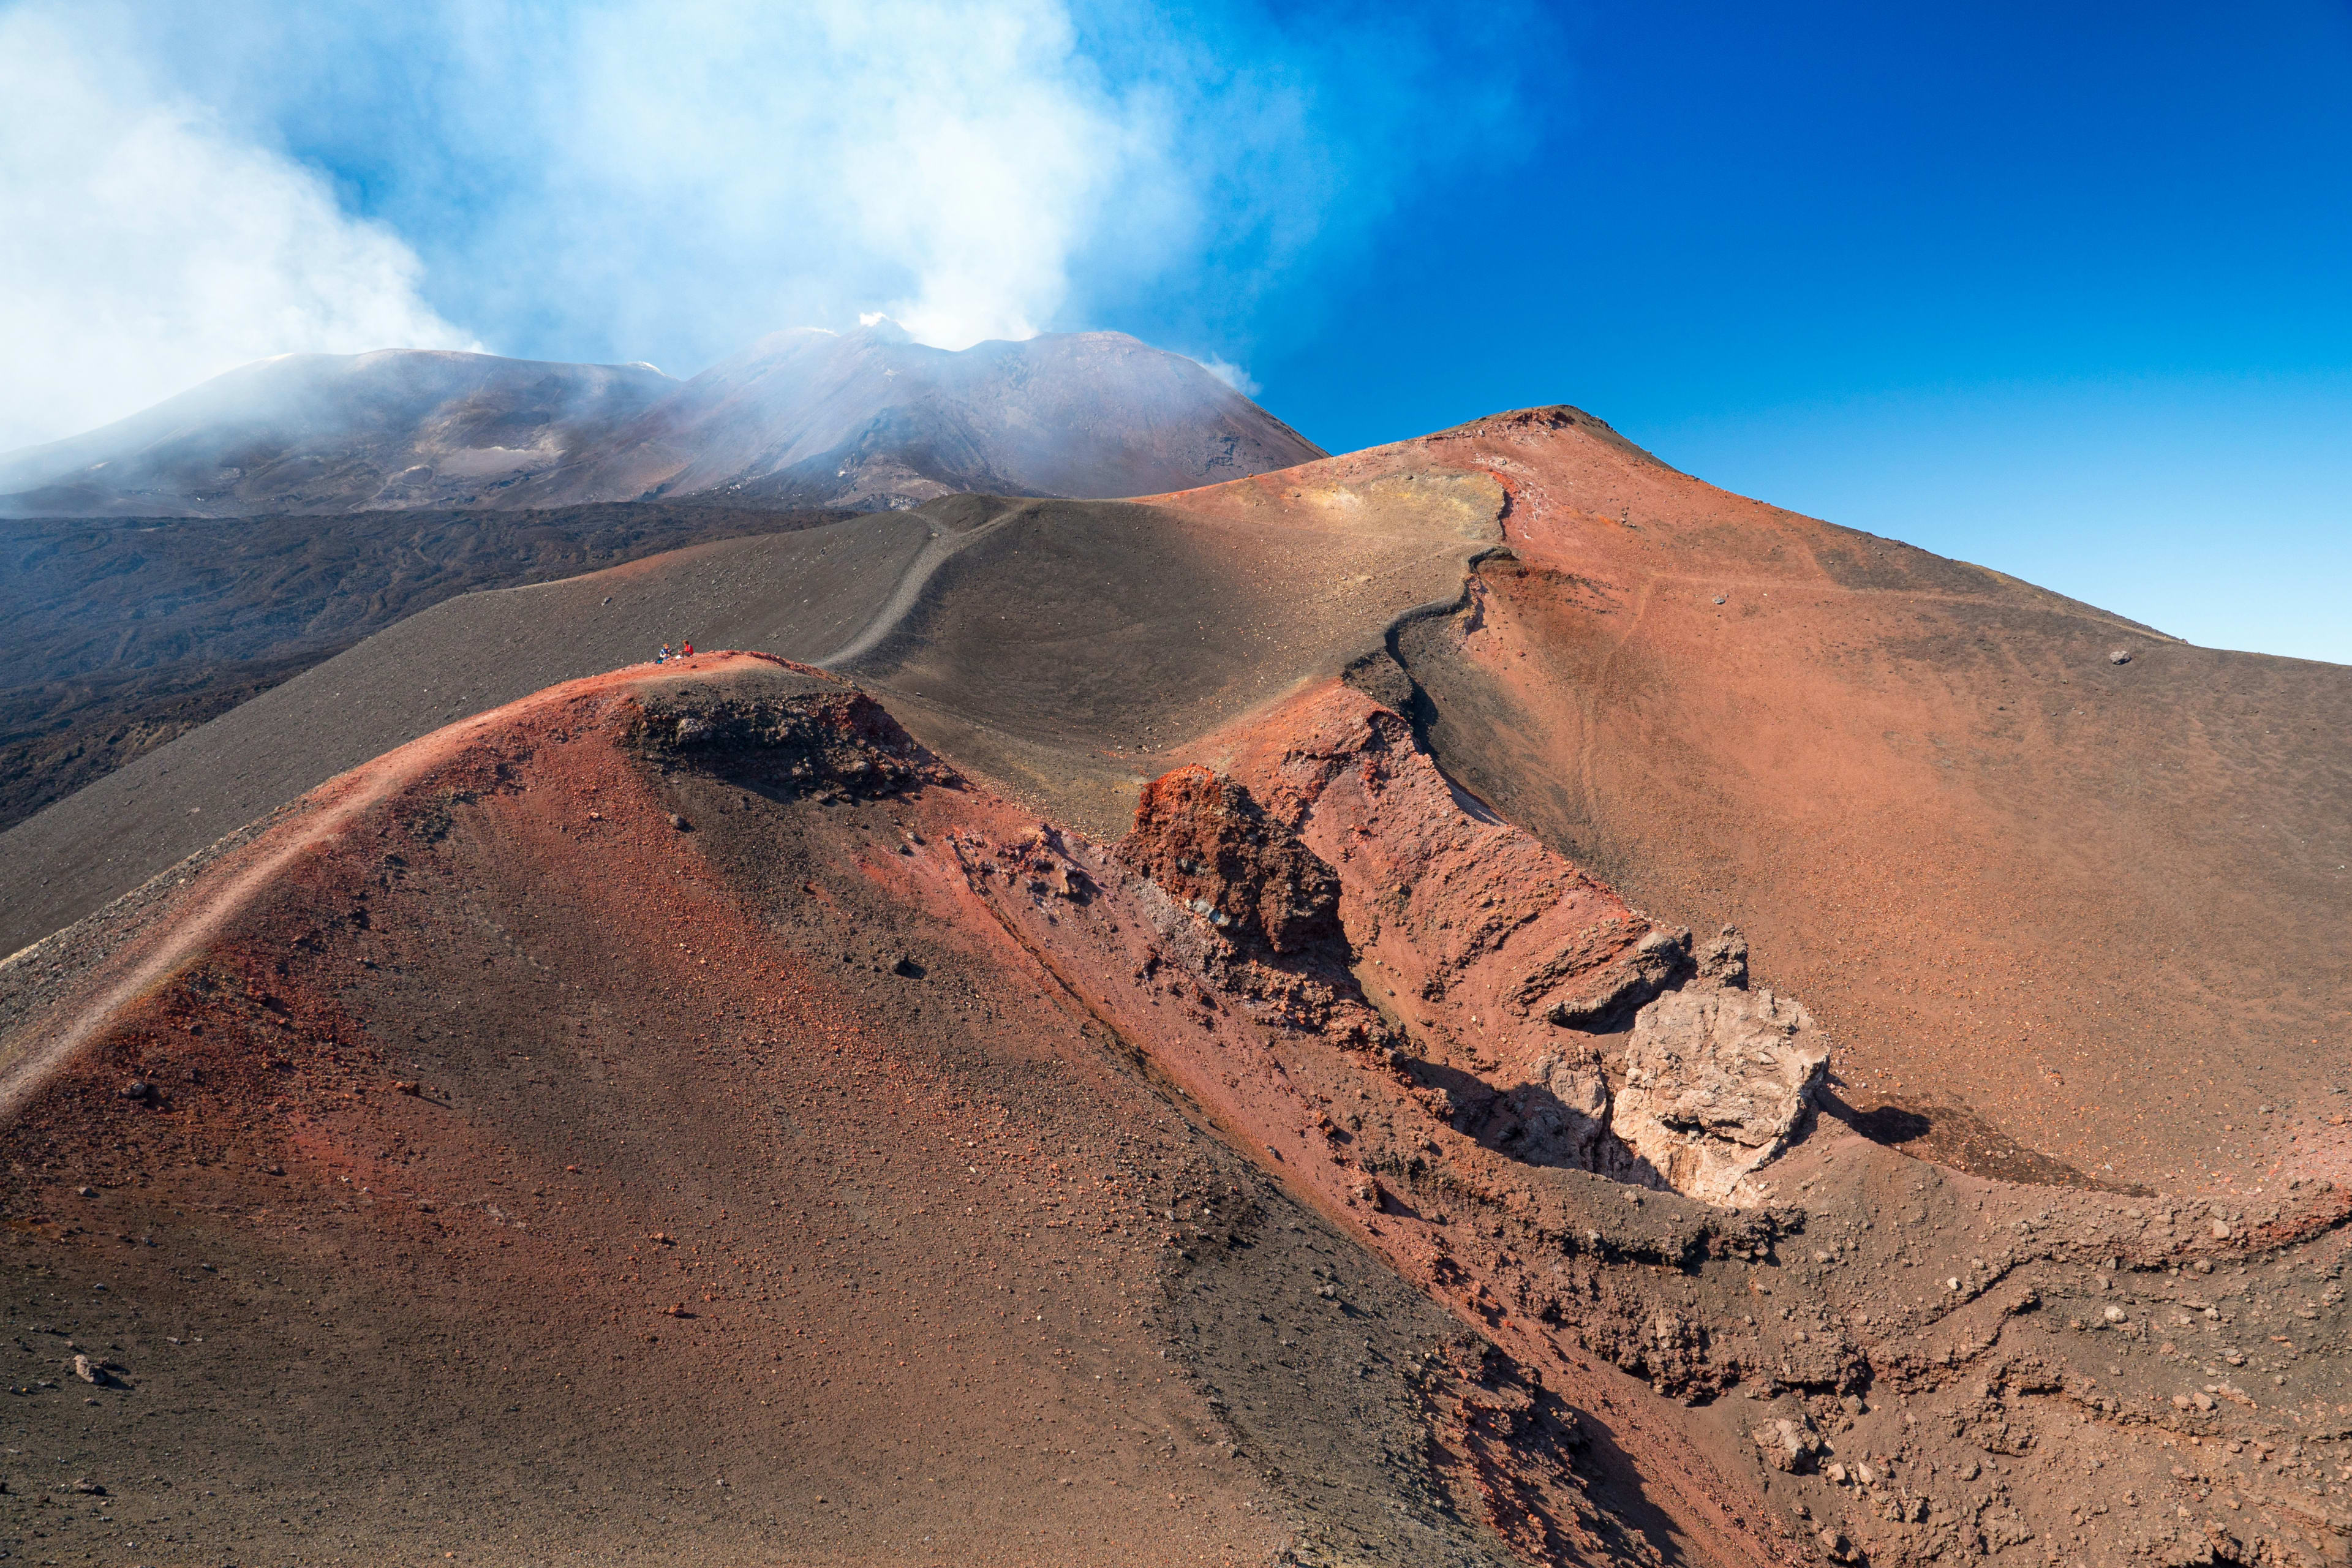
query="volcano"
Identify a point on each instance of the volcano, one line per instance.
(864, 420)
(871, 420)
(205, 550)
(1478, 1002)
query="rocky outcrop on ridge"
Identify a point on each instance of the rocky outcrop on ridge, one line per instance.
(1207, 842)
(1706, 1088)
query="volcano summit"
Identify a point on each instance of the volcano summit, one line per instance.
(864, 420)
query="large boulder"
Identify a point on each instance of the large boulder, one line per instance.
(1717, 1079)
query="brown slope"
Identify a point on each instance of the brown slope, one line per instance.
(1065, 647)
(758, 979)
(2087, 904)
(567, 1185)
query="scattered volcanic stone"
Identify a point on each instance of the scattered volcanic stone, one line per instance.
(1789, 1446)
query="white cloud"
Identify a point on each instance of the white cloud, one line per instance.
(618, 179)
(183, 186)
(145, 247)
(940, 164)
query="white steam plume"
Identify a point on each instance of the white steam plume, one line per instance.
(666, 180)
(144, 247)
(941, 163)
(1232, 374)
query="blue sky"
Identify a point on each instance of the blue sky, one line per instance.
(2061, 290)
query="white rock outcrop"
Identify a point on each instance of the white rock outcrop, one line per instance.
(1717, 1079)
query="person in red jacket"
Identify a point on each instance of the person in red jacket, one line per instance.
(686, 652)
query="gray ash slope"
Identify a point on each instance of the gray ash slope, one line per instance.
(798, 594)
(1059, 646)
(315, 433)
(122, 634)
(866, 420)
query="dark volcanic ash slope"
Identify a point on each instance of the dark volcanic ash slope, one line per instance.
(122, 634)
(805, 593)
(312, 433)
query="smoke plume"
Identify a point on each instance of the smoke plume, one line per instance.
(144, 246)
(666, 180)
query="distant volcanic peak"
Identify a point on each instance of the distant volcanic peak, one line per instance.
(884, 329)
(824, 418)
(1095, 413)
(349, 421)
(425, 371)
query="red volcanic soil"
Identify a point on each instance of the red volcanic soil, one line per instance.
(679, 1113)
(519, 1185)
(2078, 915)
(531, 1148)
